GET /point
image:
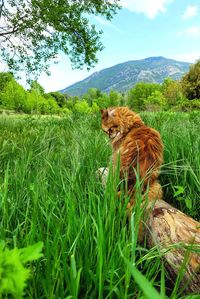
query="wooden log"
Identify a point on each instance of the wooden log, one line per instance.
(176, 236)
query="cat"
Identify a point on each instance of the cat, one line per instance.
(138, 147)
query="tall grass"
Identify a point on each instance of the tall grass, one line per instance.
(49, 192)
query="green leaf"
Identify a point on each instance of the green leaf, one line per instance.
(188, 203)
(179, 190)
(31, 253)
(13, 274)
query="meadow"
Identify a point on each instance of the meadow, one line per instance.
(49, 192)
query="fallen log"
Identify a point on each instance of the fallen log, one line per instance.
(176, 236)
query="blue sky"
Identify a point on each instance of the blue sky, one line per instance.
(143, 28)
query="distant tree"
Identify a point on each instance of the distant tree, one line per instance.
(52, 107)
(58, 97)
(115, 98)
(172, 91)
(95, 107)
(82, 106)
(103, 101)
(33, 32)
(70, 104)
(155, 102)
(5, 77)
(137, 96)
(12, 94)
(31, 102)
(92, 95)
(34, 85)
(191, 82)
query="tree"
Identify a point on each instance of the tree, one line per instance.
(114, 98)
(12, 94)
(191, 82)
(33, 32)
(37, 87)
(172, 91)
(4, 79)
(58, 97)
(156, 101)
(91, 95)
(82, 107)
(138, 95)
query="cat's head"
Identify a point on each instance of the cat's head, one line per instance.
(117, 121)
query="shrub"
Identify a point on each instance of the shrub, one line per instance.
(82, 107)
(13, 274)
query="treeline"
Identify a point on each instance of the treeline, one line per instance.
(172, 95)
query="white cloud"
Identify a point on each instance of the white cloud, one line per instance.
(190, 12)
(193, 31)
(149, 7)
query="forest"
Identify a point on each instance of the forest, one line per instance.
(171, 95)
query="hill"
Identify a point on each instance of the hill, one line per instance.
(125, 75)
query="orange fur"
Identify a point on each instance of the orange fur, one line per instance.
(139, 148)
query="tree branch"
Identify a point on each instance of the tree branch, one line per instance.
(8, 32)
(1, 8)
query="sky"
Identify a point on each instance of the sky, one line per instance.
(141, 29)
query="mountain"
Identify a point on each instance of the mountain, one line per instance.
(125, 75)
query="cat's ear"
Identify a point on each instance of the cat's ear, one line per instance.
(111, 112)
(104, 113)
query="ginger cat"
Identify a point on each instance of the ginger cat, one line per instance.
(139, 148)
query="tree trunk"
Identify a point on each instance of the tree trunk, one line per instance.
(177, 238)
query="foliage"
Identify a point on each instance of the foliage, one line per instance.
(92, 95)
(188, 105)
(82, 107)
(155, 102)
(139, 94)
(103, 101)
(13, 274)
(172, 91)
(144, 96)
(115, 98)
(5, 77)
(36, 87)
(12, 94)
(60, 98)
(33, 32)
(191, 82)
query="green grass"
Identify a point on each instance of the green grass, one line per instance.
(49, 192)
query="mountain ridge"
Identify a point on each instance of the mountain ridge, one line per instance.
(125, 75)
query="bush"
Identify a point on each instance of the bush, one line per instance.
(188, 105)
(155, 102)
(13, 274)
(191, 82)
(13, 96)
(137, 96)
(82, 107)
